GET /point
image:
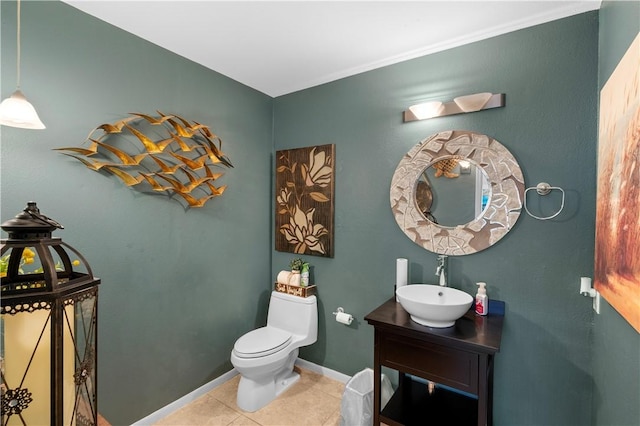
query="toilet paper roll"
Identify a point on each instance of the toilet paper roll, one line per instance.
(294, 278)
(283, 277)
(402, 272)
(585, 285)
(344, 318)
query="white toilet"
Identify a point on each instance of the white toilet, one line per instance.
(264, 357)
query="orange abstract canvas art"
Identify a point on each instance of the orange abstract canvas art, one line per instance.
(617, 250)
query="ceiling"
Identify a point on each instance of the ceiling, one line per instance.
(279, 47)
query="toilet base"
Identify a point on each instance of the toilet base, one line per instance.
(256, 392)
(286, 382)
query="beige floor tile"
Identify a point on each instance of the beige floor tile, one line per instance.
(227, 393)
(243, 421)
(333, 420)
(206, 410)
(302, 404)
(314, 400)
(323, 384)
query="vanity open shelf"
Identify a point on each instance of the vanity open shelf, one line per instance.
(460, 358)
(414, 404)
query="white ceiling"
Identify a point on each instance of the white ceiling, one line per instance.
(279, 47)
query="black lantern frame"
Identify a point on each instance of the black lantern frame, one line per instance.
(49, 309)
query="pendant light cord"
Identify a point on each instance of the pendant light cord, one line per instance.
(18, 47)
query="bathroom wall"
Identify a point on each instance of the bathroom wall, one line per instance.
(616, 345)
(178, 286)
(549, 76)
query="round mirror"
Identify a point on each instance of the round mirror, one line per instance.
(457, 192)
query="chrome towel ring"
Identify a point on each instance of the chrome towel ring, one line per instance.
(543, 188)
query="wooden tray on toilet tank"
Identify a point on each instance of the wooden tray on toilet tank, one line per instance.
(296, 290)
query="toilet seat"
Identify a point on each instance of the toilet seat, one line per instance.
(261, 342)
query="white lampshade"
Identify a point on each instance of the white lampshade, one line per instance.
(472, 103)
(427, 110)
(16, 111)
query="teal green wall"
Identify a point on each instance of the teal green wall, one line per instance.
(616, 345)
(549, 75)
(178, 287)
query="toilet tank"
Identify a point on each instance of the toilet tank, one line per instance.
(297, 315)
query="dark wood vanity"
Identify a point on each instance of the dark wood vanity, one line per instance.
(458, 359)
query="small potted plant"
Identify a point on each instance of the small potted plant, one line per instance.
(296, 267)
(296, 264)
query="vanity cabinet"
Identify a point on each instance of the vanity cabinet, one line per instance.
(459, 359)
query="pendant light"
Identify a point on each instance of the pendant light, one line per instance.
(16, 111)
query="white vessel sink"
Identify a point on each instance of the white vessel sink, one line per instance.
(433, 305)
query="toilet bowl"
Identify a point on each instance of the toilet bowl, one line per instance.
(265, 356)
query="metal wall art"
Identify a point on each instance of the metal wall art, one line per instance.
(164, 154)
(305, 180)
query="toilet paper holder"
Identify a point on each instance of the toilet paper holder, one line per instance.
(343, 317)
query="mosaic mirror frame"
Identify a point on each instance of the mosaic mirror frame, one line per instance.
(496, 220)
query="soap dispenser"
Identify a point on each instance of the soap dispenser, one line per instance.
(482, 300)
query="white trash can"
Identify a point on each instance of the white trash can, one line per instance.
(356, 407)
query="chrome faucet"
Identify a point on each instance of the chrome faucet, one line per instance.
(441, 269)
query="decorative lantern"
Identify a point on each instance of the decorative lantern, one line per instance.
(49, 309)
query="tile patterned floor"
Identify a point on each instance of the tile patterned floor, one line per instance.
(314, 400)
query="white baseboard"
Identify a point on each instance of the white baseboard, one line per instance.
(192, 396)
(332, 374)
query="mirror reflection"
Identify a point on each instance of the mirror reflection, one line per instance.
(452, 192)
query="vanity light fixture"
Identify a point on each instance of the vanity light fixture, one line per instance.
(472, 103)
(427, 110)
(460, 105)
(16, 111)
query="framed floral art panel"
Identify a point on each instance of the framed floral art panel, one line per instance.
(305, 182)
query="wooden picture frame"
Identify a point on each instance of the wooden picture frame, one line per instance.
(304, 200)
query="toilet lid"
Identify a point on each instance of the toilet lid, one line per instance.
(261, 342)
